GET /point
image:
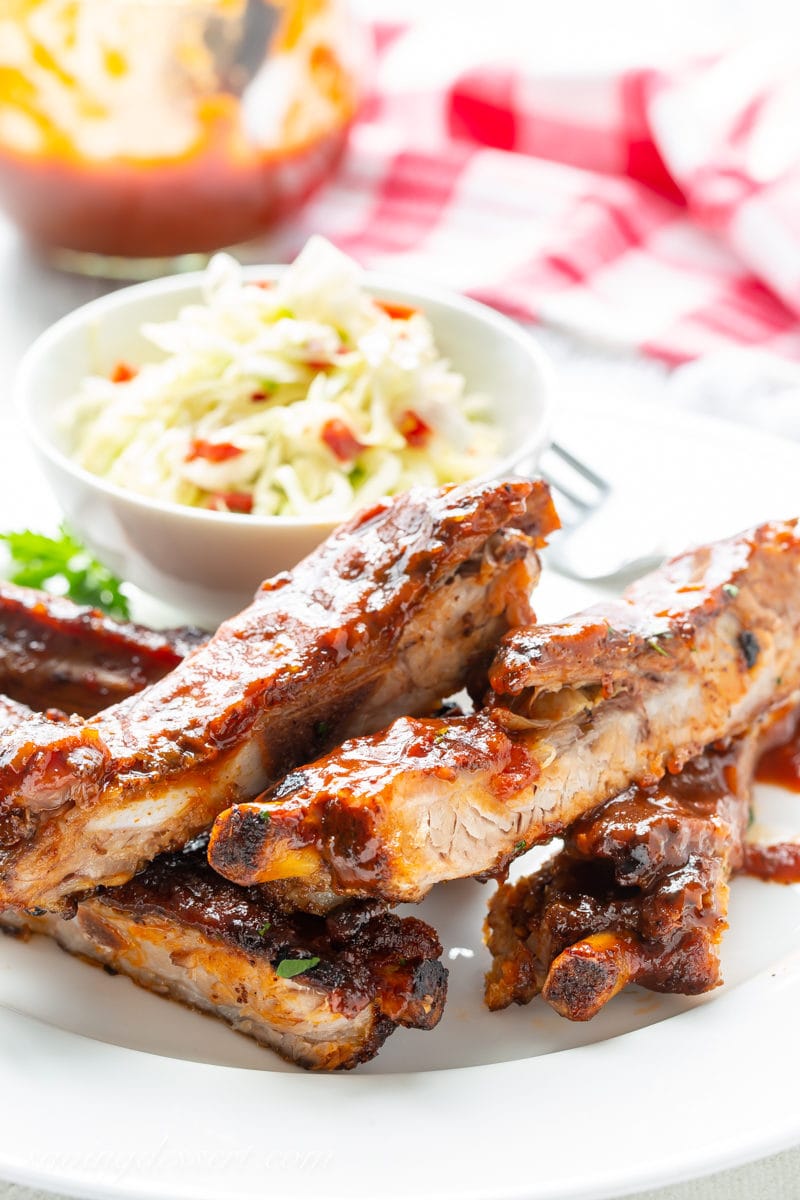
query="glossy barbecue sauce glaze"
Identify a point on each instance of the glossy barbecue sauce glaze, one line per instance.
(640, 888)
(684, 824)
(56, 654)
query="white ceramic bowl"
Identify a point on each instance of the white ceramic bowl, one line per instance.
(209, 564)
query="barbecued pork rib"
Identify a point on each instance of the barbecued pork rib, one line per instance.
(180, 930)
(691, 654)
(399, 606)
(57, 654)
(639, 894)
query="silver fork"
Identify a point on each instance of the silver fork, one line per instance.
(591, 545)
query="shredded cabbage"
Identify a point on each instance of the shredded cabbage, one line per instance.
(302, 398)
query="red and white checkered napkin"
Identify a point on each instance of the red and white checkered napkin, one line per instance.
(655, 209)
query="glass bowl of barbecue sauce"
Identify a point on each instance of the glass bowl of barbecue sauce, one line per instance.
(137, 136)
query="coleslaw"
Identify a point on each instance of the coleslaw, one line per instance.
(306, 397)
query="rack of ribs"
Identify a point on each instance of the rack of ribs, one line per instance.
(335, 648)
(694, 653)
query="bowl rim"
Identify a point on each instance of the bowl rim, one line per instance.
(378, 283)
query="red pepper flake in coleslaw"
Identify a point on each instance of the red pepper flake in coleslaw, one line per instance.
(235, 502)
(416, 431)
(341, 440)
(122, 373)
(304, 398)
(214, 452)
(398, 312)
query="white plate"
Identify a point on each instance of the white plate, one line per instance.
(108, 1091)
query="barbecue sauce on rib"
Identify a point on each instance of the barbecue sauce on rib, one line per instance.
(781, 765)
(637, 895)
(776, 864)
(639, 892)
(647, 825)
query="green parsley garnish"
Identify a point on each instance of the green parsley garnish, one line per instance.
(287, 968)
(38, 560)
(653, 643)
(441, 734)
(265, 928)
(519, 846)
(730, 589)
(264, 816)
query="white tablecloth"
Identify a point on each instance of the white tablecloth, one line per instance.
(31, 296)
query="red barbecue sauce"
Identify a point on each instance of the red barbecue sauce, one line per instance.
(781, 765)
(221, 186)
(221, 192)
(781, 862)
